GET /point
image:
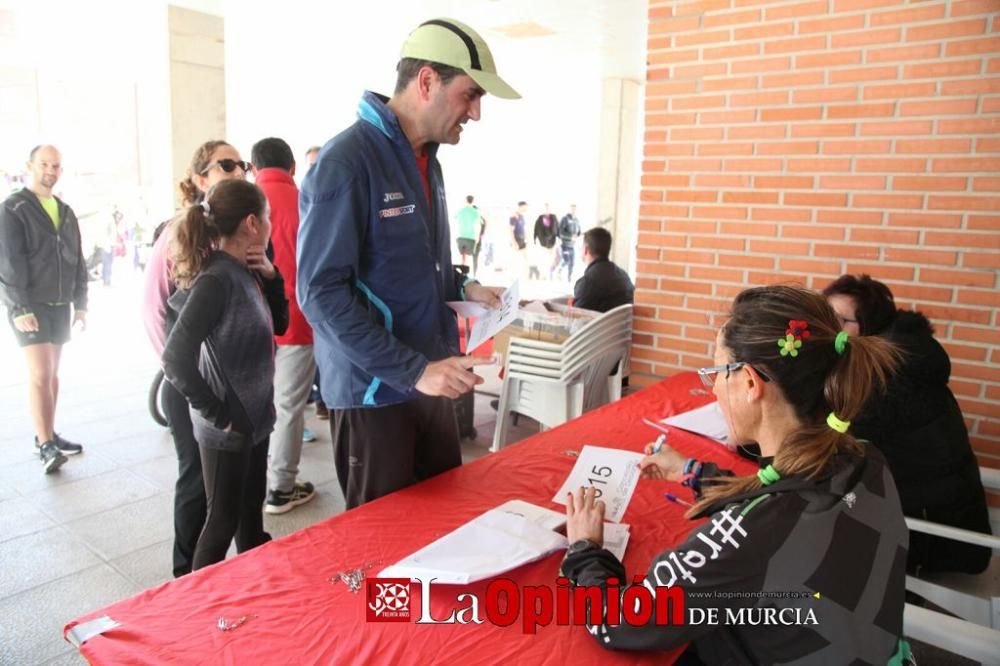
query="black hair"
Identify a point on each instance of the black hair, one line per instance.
(598, 241)
(272, 153)
(875, 306)
(407, 68)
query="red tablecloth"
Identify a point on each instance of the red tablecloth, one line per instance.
(297, 616)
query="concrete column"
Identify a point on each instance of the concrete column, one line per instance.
(618, 166)
(197, 83)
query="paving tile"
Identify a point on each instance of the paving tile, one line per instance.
(316, 465)
(137, 448)
(37, 558)
(161, 471)
(28, 477)
(19, 517)
(329, 501)
(149, 566)
(70, 658)
(86, 497)
(127, 528)
(31, 622)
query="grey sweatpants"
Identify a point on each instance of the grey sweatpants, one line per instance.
(294, 368)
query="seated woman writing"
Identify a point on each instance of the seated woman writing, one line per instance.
(919, 428)
(818, 532)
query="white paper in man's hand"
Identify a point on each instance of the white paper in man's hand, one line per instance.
(468, 309)
(494, 321)
(613, 472)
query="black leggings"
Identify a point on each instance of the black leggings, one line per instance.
(235, 485)
(189, 491)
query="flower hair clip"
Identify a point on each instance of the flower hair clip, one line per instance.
(797, 332)
(789, 346)
(798, 329)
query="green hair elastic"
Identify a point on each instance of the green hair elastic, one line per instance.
(840, 344)
(834, 422)
(768, 475)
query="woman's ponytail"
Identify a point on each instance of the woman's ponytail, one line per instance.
(194, 238)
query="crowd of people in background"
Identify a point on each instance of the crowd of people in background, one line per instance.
(257, 291)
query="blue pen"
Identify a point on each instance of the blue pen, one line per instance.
(658, 444)
(676, 499)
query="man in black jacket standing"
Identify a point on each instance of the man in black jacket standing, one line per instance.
(604, 286)
(43, 283)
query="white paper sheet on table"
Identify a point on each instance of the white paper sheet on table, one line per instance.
(706, 420)
(616, 538)
(547, 518)
(612, 471)
(488, 545)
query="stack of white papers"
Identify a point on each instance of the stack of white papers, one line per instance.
(706, 420)
(488, 545)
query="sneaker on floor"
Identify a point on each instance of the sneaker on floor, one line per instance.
(52, 459)
(321, 411)
(66, 447)
(308, 435)
(279, 502)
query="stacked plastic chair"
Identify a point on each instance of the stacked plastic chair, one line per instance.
(555, 382)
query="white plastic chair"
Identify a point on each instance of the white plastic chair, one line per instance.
(973, 597)
(953, 634)
(555, 382)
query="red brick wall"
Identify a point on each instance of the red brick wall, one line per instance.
(794, 141)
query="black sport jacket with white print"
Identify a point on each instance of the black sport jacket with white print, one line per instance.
(840, 536)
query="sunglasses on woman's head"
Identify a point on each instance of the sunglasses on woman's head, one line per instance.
(228, 166)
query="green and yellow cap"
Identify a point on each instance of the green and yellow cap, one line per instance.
(449, 42)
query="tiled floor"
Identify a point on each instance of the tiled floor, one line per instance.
(101, 528)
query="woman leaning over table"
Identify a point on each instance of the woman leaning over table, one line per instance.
(918, 426)
(220, 356)
(821, 515)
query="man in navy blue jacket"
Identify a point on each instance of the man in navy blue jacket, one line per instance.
(375, 267)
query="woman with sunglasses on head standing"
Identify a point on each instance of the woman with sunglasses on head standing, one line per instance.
(815, 540)
(212, 162)
(918, 426)
(220, 356)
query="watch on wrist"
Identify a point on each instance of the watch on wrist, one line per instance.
(581, 545)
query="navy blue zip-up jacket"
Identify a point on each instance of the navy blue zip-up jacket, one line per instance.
(374, 263)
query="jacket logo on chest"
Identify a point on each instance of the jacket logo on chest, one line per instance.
(396, 212)
(393, 196)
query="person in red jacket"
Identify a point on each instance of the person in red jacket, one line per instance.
(294, 363)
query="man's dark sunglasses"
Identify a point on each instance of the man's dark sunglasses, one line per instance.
(228, 166)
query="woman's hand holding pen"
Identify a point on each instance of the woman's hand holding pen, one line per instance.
(662, 462)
